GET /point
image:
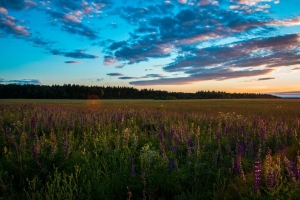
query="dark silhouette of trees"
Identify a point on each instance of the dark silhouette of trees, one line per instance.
(68, 91)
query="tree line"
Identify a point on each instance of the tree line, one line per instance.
(68, 91)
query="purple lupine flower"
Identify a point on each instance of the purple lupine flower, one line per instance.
(132, 171)
(271, 179)
(66, 146)
(190, 142)
(10, 139)
(35, 150)
(257, 175)
(33, 122)
(160, 135)
(171, 164)
(174, 149)
(218, 135)
(172, 133)
(131, 159)
(226, 130)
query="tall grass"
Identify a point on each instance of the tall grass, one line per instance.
(217, 149)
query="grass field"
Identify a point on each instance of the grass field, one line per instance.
(147, 149)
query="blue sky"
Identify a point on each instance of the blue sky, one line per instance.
(174, 45)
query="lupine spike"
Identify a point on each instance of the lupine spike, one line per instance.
(257, 175)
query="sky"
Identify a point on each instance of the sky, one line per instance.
(248, 46)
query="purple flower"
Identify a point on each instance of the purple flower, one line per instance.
(190, 142)
(131, 159)
(132, 171)
(171, 164)
(257, 175)
(174, 149)
(271, 179)
(218, 135)
(33, 122)
(172, 133)
(160, 135)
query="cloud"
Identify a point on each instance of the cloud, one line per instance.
(203, 75)
(285, 22)
(126, 78)
(289, 94)
(3, 11)
(154, 75)
(71, 23)
(115, 74)
(158, 35)
(297, 68)
(272, 52)
(18, 4)
(21, 82)
(78, 54)
(265, 79)
(72, 62)
(8, 24)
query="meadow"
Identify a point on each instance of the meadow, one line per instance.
(147, 149)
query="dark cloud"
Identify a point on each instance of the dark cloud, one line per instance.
(117, 45)
(265, 79)
(73, 25)
(17, 4)
(115, 74)
(204, 75)
(79, 54)
(126, 78)
(270, 52)
(155, 75)
(158, 34)
(72, 62)
(21, 82)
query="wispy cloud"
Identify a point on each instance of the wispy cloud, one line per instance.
(21, 82)
(72, 62)
(204, 75)
(79, 54)
(265, 79)
(115, 74)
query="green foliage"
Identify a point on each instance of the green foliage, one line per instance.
(150, 150)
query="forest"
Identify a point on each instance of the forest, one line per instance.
(68, 91)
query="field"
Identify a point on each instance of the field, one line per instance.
(147, 149)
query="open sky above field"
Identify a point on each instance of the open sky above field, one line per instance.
(173, 45)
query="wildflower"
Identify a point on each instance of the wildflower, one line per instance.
(271, 179)
(171, 164)
(257, 175)
(132, 171)
(172, 133)
(190, 142)
(160, 135)
(35, 150)
(10, 139)
(33, 123)
(66, 146)
(174, 149)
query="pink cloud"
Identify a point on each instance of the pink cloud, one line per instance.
(72, 18)
(9, 22)
(3, 11)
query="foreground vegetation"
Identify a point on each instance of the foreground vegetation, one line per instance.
(199, 149)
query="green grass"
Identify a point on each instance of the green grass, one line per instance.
(148, 149)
